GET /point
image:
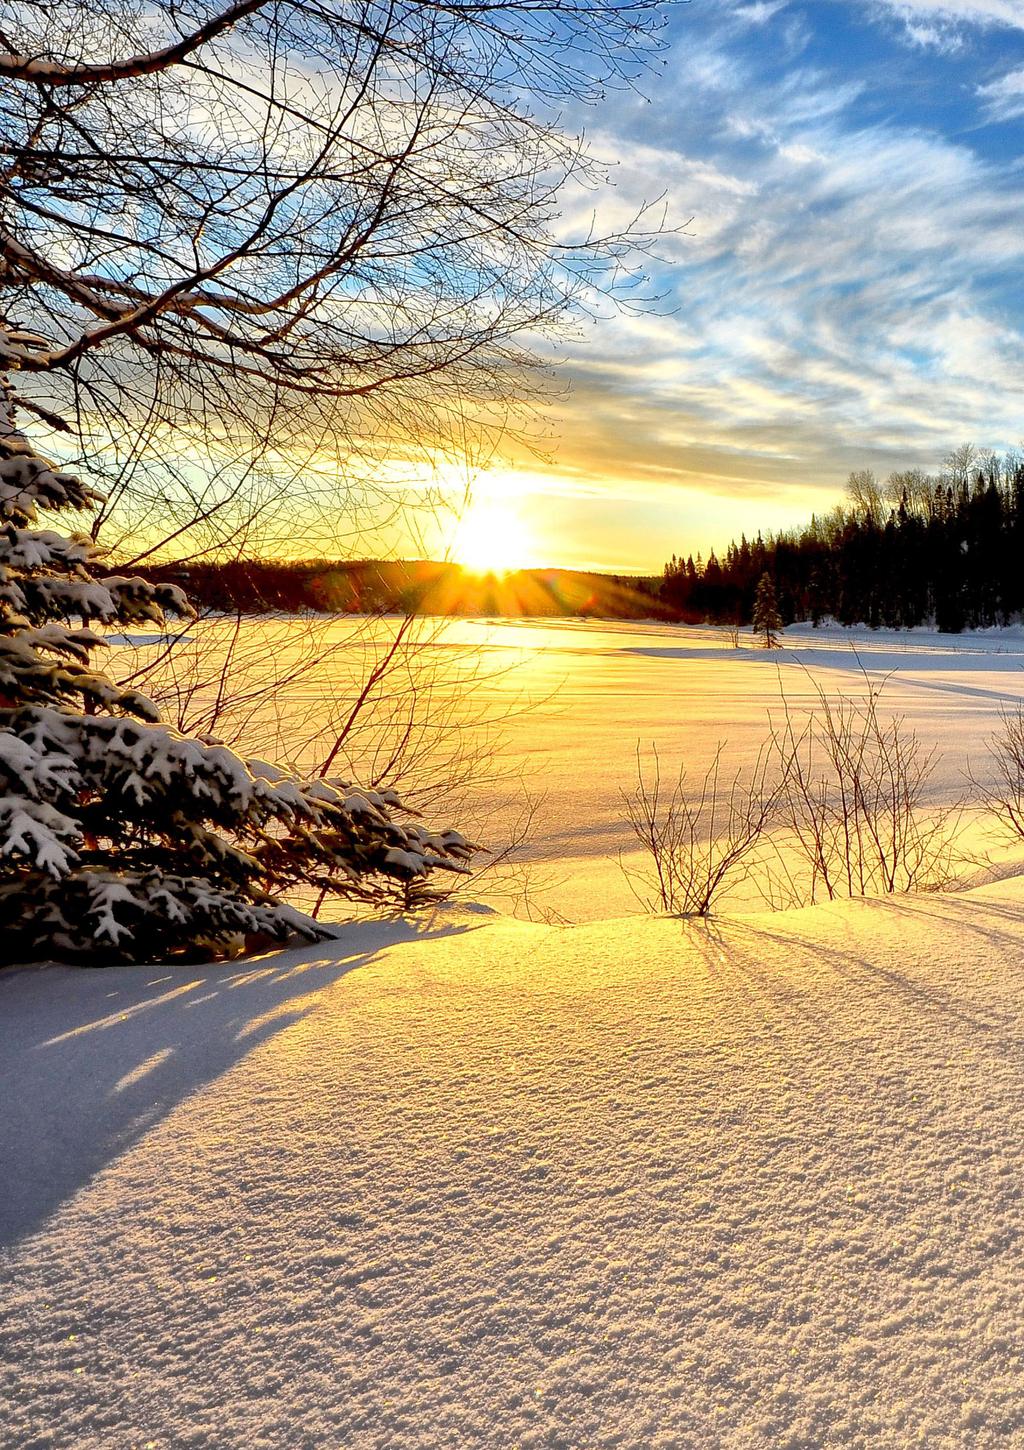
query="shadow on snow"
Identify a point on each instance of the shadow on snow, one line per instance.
(91, 1059)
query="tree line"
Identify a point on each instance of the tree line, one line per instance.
(918, 548)
(407, 587)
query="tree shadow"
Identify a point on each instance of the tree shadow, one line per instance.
(90, 1060)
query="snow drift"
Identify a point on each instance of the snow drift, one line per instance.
(632, 1184)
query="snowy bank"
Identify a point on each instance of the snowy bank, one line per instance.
(634, 1184)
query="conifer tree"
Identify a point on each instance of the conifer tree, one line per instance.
(767, 620)
(120, 838)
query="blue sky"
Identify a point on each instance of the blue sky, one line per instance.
(847, 294)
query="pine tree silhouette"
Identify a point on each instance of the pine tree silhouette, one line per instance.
(767, 620)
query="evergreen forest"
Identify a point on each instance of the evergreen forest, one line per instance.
(918, 548)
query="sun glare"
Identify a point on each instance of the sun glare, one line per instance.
(491, 538)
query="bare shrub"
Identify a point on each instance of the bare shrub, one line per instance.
(393, 702)
(1004, 794)
(853, 804)
(699, 840)
(835, 806)
(232, 677)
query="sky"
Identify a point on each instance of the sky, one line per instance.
(847, 291)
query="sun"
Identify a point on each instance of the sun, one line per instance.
(491, 537)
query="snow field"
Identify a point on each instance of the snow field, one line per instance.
(633, 1184)
(576, 697)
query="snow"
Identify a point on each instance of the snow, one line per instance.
(634, 1183)
(576, 697)
(474, 1181)
(150, 638)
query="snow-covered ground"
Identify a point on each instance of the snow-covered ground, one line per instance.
(577, 697)
(604, 691)
(486, 1183)
(475, 1181)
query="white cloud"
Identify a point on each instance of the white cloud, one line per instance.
(943, 38)
(834, 314)
(954, 12)
(840, 301)
(758, 12)
(1004, 98)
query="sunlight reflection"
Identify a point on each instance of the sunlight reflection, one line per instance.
(115, 1018)
(143, 1070)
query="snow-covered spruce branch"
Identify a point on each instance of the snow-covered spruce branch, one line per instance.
(122, 838)
(362, 243)
(407, 709)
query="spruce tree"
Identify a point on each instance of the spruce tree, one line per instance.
(120, 838)
(767, 620)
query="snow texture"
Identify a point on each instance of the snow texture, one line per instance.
(637, 1184)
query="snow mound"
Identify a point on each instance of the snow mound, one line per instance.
(481, 1183)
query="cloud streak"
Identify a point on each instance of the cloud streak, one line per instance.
(848, 294)
(917, 13)
(1004, 98)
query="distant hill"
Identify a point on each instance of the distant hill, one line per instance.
(372, 586)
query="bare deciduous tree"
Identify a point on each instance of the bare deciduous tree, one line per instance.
(267, 266)
(253, 251)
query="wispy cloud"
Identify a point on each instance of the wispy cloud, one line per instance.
(944, 38)
(844, 299)
(1004, 98)
(846, 295)
(921, 14)
(758, 12)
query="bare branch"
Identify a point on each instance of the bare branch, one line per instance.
(42, 72)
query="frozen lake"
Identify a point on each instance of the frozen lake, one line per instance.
(570, 701)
